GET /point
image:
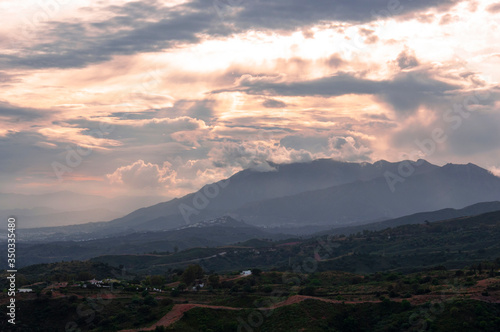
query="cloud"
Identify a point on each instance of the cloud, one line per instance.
(252, 154)
(495, 170)
(6, 78)
(78, 136)
(13, 113)
(315, 143)
(370, 36)
(128, 31)
(348, 149)
(120, 129)
(467, 127)
(293, 14)
(273, 103)
(141, 175)
(150, 26)
(494, 8)
(447, 19)
(19, 152)
(405, 92)
(290, 149)
(406, 59)
(335, 61)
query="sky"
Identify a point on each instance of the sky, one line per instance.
(162, 97)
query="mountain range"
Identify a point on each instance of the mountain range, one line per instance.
(322, 192)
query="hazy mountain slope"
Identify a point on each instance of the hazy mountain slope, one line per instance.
(67, 208)
(452, 186)
(453, 243)
(350, 193)
(29, 219)
(419, 218)
(217, 232)
(250, 186)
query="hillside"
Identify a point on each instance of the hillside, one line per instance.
(448, 268)
(433, 299)
(211, 233)
(452, 243)
(418, 218)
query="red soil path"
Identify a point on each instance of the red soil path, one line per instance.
(179, 309)
(176, 313)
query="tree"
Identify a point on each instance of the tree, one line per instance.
(256, 272)
(192, 273)
(157, 280)
(84, 276)
(214, 280)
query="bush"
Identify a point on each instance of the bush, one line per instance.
(393, 294)
(309, 290)
(256, 272)
(166, 302)
(267, 289)
(149, 300)
(144, 310)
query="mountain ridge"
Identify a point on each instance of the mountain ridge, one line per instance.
(349, 193)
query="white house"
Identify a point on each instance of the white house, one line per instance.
(246, 273)
(25, 290)
(95, 282)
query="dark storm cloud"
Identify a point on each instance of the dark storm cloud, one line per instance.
(405, 92)
(15, 114)
(469, 123)
(292, 14)
(68, 45)
(148, 26)
(331, 86)
(273, 103)
(19, 151)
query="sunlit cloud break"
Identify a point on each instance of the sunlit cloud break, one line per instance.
(142, 97)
